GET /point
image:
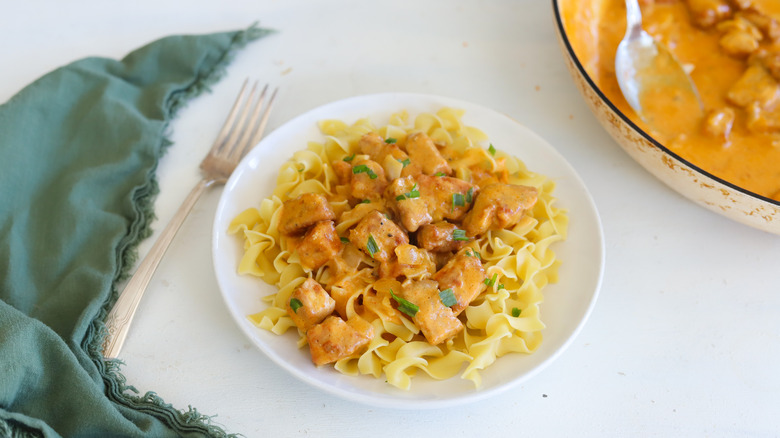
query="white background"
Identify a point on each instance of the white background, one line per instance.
(684, 339)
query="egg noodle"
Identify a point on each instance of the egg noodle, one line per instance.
(518, 262)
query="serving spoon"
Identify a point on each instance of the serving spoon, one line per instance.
(653, 81)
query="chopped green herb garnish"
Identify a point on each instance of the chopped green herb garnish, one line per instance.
(492, 149)
(447, 297)
(459, 235)
(473, 253)
(295, 304)
(365, 201)
(500, 286)
(491, 281)
(457, 200)
(405, 306)
(441, 174)
(405, 162)
(390, 140)
(516, 312)
(362, 168)
(344, 240)
(371, 246)
(349, 158)
(414, 193)
(469, 195)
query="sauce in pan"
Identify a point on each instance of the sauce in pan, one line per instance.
(732, 50)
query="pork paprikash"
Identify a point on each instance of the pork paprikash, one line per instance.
(732, 50)
(414, 241)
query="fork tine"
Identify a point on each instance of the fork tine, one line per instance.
(249, 128)
(228, 124)
(264, 120)
(237, 127)
(255, 133)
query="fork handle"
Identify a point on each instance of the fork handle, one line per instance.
(121, 315)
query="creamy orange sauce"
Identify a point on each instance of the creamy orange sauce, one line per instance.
(747, 156)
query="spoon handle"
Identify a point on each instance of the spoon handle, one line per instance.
(633, 17)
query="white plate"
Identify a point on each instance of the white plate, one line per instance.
(566, 306)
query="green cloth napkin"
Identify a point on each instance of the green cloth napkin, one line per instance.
(78, 152)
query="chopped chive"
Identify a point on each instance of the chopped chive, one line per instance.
(500, 286)
(459, 235)
(491, 281)
(457, 200)
(344, 240)
(492, 149)
(390, 140)
(447, 297)
(405, 306)
(405, 162)
(414, 193)
(295, 304)
(365, 201)
(469, 195)
(441, 174)
(362, 168)
(516, 312)
(371, 246)
(349, 158)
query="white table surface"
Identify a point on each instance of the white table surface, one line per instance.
(685, 336)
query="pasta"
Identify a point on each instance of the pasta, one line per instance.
(377, 296)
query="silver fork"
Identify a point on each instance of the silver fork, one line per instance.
(243, 129)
